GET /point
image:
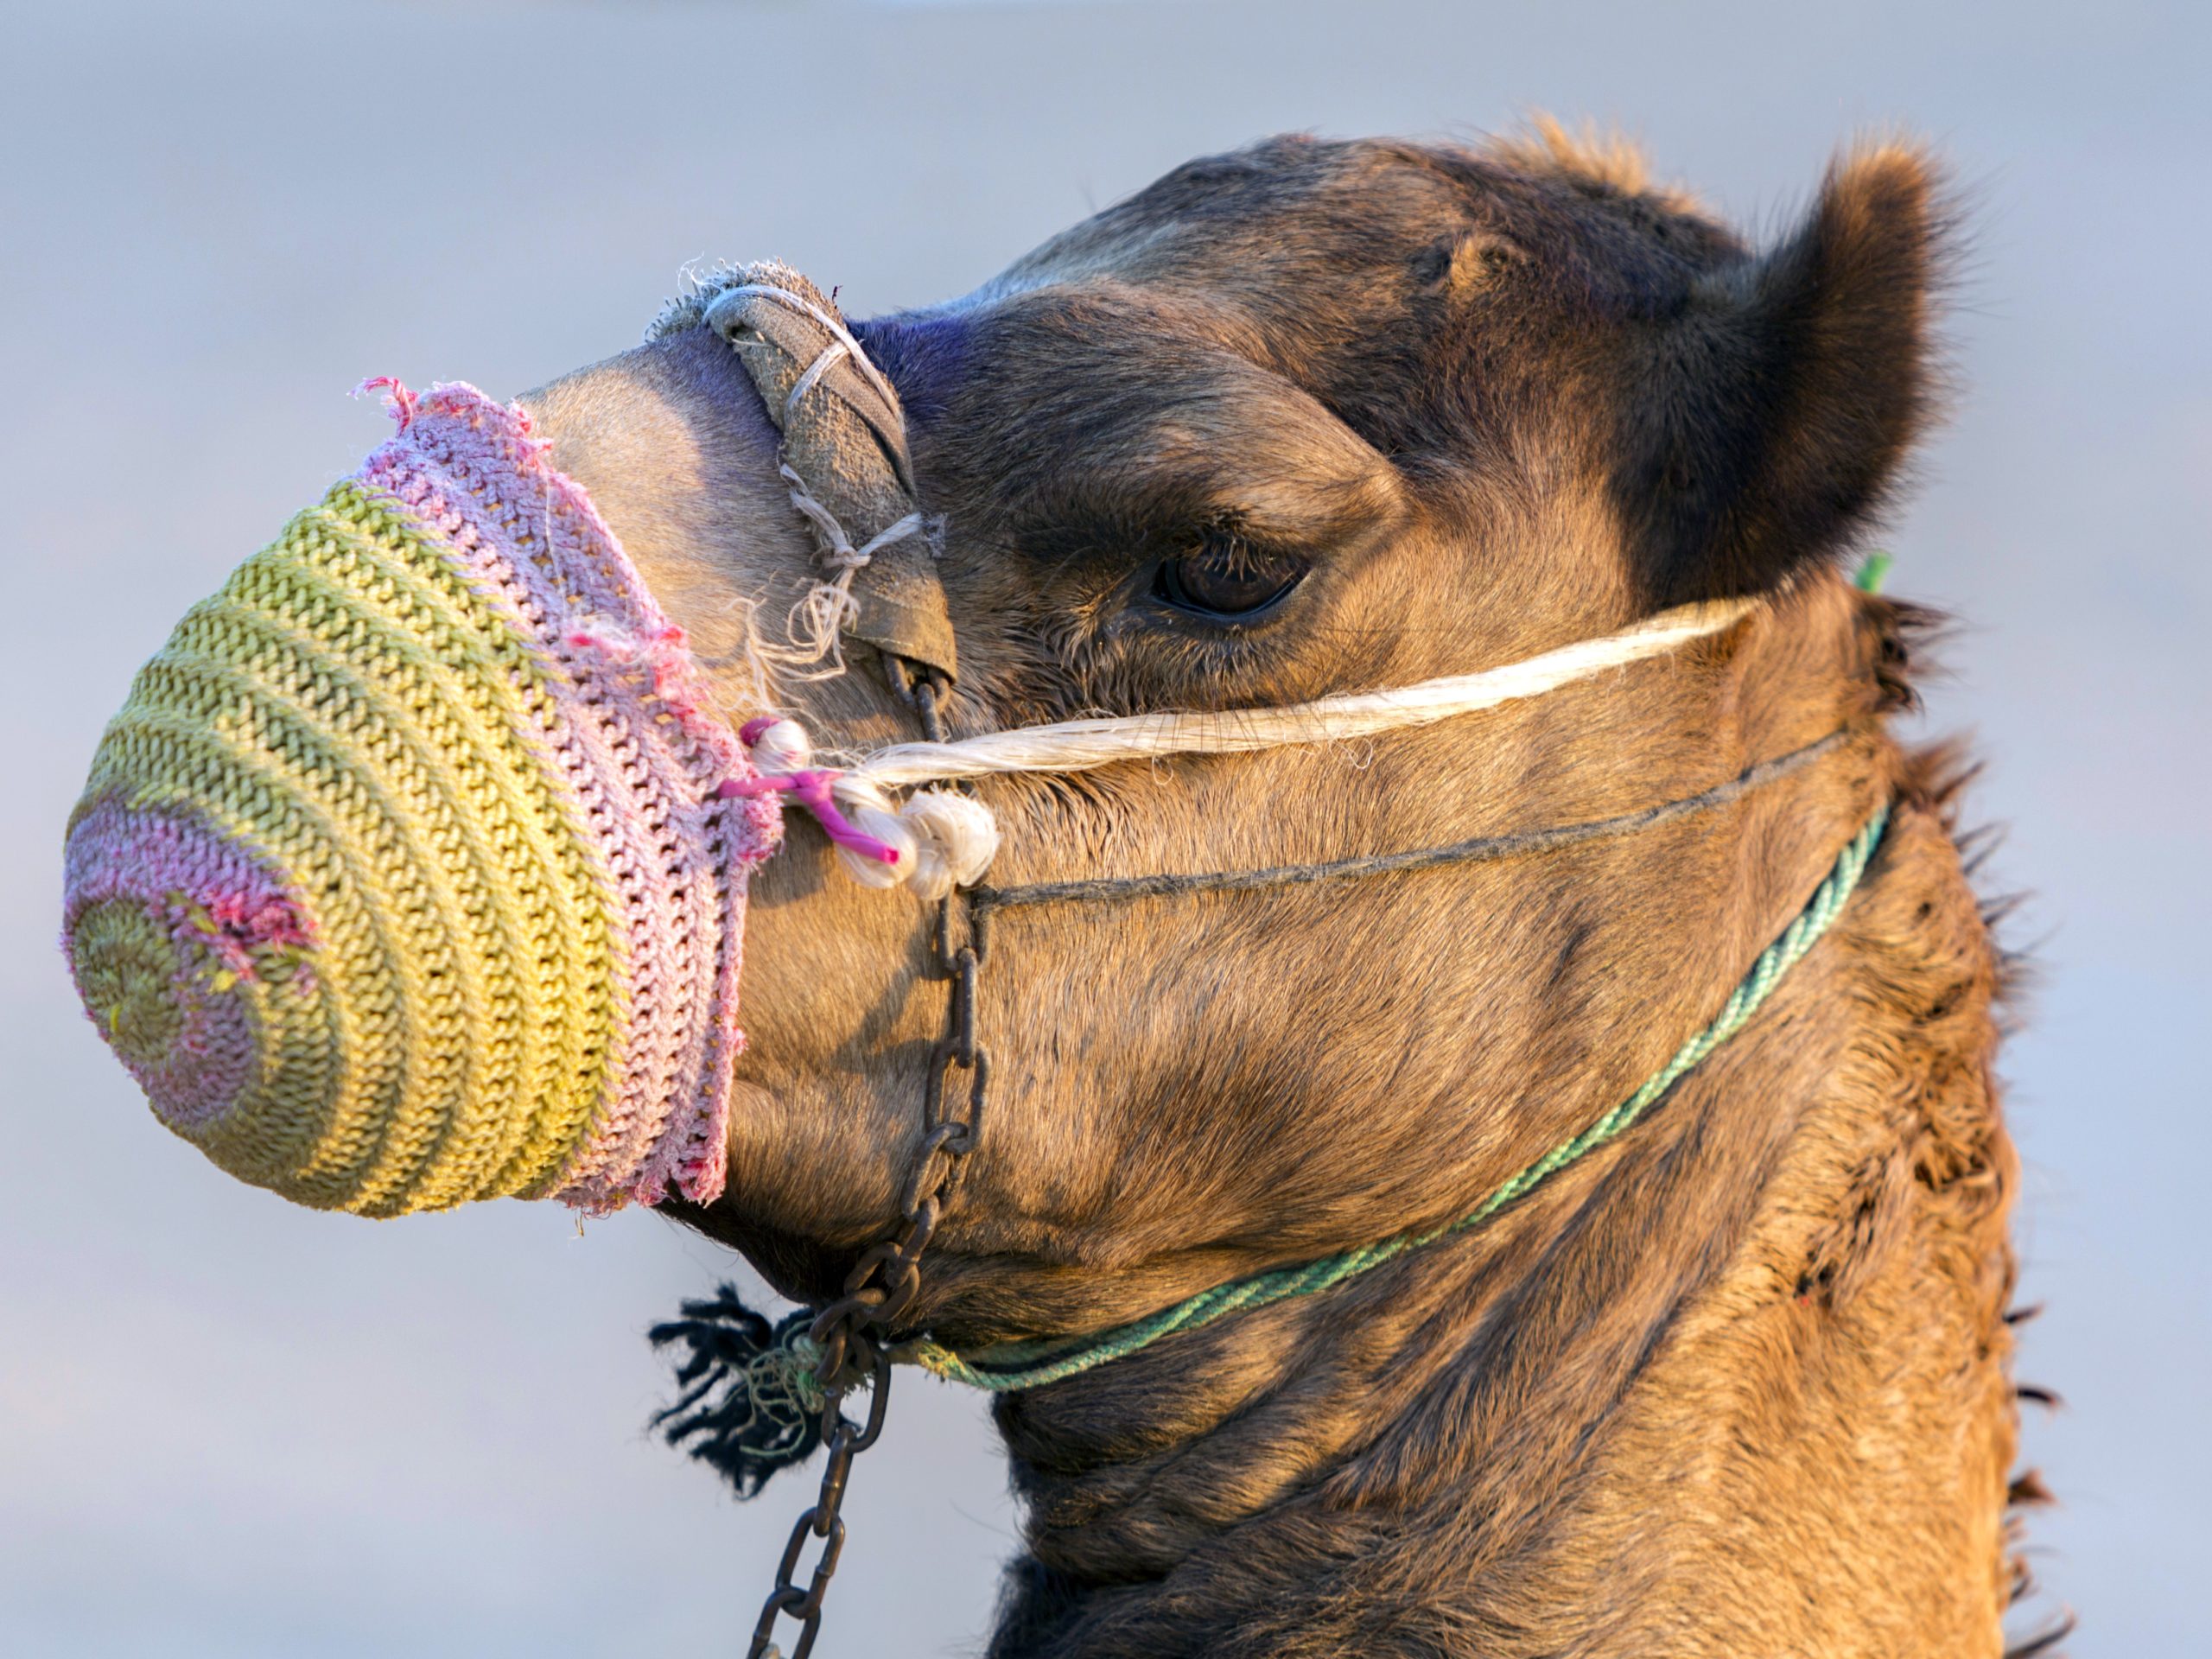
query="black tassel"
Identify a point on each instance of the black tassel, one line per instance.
(749, 1403)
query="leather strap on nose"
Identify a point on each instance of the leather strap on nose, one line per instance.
(845, 439)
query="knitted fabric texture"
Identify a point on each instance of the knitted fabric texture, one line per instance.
(401, 881)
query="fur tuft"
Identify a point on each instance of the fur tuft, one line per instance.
(1597, 161)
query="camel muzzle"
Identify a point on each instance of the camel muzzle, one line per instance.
(401, 878)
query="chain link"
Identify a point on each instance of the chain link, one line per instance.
(854, 1329)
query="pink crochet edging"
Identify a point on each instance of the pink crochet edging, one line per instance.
(673, 852)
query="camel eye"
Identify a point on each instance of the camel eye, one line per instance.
(1227, 580)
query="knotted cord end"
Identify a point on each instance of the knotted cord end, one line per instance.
(748, 1401)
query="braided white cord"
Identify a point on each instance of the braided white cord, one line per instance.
(1079, 745)
(945, 840)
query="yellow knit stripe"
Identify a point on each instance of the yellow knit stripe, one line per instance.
(522, 818)
(168, 759)
(398, 737)
(350, 708)
(475, 825)
(433, 977)
(269, 732)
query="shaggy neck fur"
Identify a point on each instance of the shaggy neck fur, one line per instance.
(1736, 1386)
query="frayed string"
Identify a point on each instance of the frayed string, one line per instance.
(665, 654)
(397, 398)
(749, 1402)
(817, 620)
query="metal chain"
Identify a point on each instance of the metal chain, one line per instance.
(854, 1330)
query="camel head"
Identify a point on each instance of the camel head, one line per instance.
(1315, 418)
(1306, 418)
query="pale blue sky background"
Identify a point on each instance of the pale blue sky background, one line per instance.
(231, 1427)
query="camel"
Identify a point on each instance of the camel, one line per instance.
(1315, 418)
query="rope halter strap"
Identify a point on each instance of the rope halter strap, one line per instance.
(935, 839)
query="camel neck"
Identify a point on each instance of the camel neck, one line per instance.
(1404, 1431)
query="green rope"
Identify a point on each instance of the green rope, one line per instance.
(1873, 571)
(1012, 1366)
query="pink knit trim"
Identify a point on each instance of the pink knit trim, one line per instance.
(674, 855)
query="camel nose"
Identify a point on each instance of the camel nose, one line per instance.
(401, 878)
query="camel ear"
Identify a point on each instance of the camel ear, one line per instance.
(1792, 388)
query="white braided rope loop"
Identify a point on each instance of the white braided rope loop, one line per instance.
(945, 840)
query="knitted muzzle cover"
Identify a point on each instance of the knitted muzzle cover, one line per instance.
(400, 880)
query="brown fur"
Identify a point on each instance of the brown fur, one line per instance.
(1737, 1384)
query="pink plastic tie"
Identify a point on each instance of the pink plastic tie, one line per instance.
(810, 789)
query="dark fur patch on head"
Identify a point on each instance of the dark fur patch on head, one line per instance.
(924, 353)
(1526, 322)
